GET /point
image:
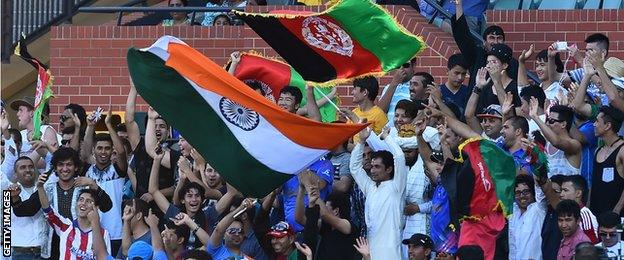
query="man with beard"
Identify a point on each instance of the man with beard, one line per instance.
(26, 246)
(107, 174)
(525, 225)
(68, 124)
(65, 193)
(228, 236)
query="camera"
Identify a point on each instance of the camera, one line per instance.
(562, 46)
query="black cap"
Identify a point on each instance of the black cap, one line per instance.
(502, 52)
(493, 30)
(419, 239)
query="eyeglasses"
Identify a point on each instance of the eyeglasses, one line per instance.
(551, 120)
(281, 226)
(234, 231)
(65, 142)
(522, 193)
(176, 5)
(607, 234)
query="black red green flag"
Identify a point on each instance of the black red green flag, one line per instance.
(351, 39)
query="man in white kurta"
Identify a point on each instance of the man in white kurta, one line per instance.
(525, 225)
(384, 201)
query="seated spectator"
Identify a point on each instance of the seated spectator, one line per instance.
(610, 239)
(569, 218)
(574, 187)
(177, 18)
(221, 20)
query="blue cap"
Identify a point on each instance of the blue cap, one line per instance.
(140, 249)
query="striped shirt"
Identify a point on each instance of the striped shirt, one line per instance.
(589, 224)
(74, 243)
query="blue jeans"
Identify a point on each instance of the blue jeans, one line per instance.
(25, 256)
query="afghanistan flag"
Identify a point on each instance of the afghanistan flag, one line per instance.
(254, 144)
(43, 91)
(493, 172)
(351, 39)
(273, 75)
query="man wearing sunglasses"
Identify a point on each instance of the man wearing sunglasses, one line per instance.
(609, 236)
(227, 237)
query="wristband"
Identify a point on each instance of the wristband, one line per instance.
(476, 90)
(195, 230)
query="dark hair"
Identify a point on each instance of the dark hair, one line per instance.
(386, 158)
(82, 116)
(102, 137)
(187, 186)
(609, 219)
(182, 231)
(568, 208)
(526, 180)
(93, 193)
(140, 206)
(565, 113)
(613, 116)
(428, 79)
(65, 153)
(493, 29)
(255, 85)
(457, 59)
(579, 183)
(21, 158)
(586, 251)
(470, 252)
(341, 201)
(533, 91)
(198, 254)
(17, 137)
(558, 179)
(294, 91)
(229, 21)
(543, 56)
(599, 38)
(368, 83)
(121, 128)
(521, 123)
(408, 106)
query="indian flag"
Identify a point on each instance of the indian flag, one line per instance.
(254, 144)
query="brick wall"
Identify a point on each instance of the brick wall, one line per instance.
(90, 69)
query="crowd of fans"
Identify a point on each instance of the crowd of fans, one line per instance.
(78, 194)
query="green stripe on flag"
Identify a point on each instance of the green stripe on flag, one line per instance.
(502, 170)
(183, 107)
(296, 79)
(386, 38)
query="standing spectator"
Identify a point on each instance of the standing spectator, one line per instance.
(364, 93)
(574, 187)
(228, 236)
(397, 90)
(569, 218)
(500, 82)
(418, 85)
(564, 152)
(339, 157)
(30, 232)
(525, 224)
(608, 176)
(419, 246)
(454, 90)
(384, 195)
(526, 94)
(177, 18)
(610, 238)
(551, 236)
(134, 226)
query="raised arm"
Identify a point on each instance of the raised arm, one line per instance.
(340, 224)
(300, 215)
(43, 197)
(597, 60)
(458, 127)
(523, 79)
(471, 109)
(355, 164)
(87, 144)
(311, 106)
(99, 246)
(225, 201)
(132, 128)
(217, 234)
(126, 239)
(184, 219)
(386, 99)
(159, 198)
(151, 141)
(400, 169)
(152, 221)
(461, 34)
(75, 141)
(568, 145)
(122, 158)
(235, 59)
(578, 103)
(552, 67)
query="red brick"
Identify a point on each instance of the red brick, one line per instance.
(587, 26)
(101, 62)
(78, 81)
(524, 27)
(69, 90)
(111, 72)
(89, 90)
(99, 81)
(71, 53)
(111, 90)
(89, 71)
(59, 62)
(91, 52)
(120, 80)
(99, 100)
(101, 44)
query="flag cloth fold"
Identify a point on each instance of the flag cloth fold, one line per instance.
(494, 174)
(351, 39)
(254, 144)
(43, 92)
(274, 75)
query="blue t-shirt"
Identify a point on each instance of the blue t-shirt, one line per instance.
(521, 159)
(460, 98)
(325, 170)
(587, 158)
(158, 255)
(221, 252)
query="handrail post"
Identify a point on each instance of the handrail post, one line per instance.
(7, 30)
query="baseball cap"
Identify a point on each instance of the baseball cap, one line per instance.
(25, 101)
(281, 229)
(492, 111)
(419, 239)
(614, 67)
(140, 249)
(502, 52)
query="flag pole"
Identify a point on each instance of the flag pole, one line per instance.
(325, 96)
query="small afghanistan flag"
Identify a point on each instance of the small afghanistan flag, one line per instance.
(351, 39)
(274, 75)
(254, 144)
(43, 92)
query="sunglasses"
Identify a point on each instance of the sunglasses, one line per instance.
(65, 142)
(176, 5)
(281, 226)
(551, 120)
(607, 234)
(63, 117)
(234, 231)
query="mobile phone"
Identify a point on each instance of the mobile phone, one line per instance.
(562, 46)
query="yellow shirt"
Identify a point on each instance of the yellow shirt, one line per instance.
(375, 116)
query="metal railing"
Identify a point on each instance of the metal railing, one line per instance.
(132, 9)
(33, 18)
